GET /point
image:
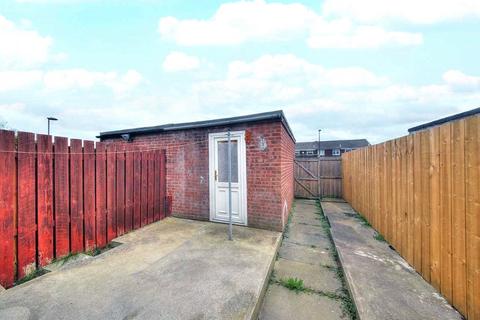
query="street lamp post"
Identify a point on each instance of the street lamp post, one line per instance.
(50, 119)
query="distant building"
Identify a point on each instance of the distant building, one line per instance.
(333, 148)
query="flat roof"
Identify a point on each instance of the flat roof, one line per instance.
(277, 115)
(446, 119)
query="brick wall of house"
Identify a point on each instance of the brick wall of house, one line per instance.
(187, 171)
(287, 173)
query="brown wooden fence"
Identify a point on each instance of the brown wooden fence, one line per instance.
(422, 192)
(60, 198)
(318, 177)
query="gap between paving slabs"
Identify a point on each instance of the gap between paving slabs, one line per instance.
(329, 283)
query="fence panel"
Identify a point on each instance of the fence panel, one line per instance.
(422, 193)
(70, 196)
(318, 177)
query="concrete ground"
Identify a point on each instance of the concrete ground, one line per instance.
(172, 269)
(381, 282)
(306, 253)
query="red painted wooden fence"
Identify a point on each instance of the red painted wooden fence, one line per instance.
(66, 197)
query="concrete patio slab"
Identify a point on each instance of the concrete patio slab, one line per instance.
(172, 269)
(314, 277)
(307, 235)
(381, 282)
(306, 219)
(306, 254)
(284, 304)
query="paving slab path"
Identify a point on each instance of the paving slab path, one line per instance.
(307, 254)
(382, 283)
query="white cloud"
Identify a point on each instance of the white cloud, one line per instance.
(457, 80)
(179, 61)
(413, 11)
(239, 22)
(15, 80)
(288, 67)
(343, 34)
(20, 48)
(68, 79)
(84, 79)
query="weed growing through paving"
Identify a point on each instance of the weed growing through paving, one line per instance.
(65, 259)
(363, 220)
(347, 303)
(32, 275)
(294, 284)
(96, 251)
(290, 214)
(379, 237)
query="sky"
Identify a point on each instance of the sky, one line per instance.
(353, 68)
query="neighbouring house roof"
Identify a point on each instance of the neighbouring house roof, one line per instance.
(446, 119)
(332, 144)
(258, 117)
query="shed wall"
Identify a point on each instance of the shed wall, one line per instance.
(269, 171)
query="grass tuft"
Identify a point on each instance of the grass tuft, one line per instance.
(363, 220)
(294, 284)
(32, 275)
(379, 237)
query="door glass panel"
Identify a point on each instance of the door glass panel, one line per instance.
(223, 161)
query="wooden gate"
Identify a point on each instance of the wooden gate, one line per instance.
(318, 177)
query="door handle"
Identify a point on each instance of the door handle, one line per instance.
(216, 175)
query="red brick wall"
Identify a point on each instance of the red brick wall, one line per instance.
(287, 173)
(267, 171)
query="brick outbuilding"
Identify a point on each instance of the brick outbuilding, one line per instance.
(263, 150)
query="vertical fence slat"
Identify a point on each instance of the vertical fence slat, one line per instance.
(156, 186)
(435, 248)
(163, 182)
(137, 188)
(426, 217)
(120, 212)
(129, 185)
(26, 238)
(100, 195)
(417, 202)
(45, 199)
(445, 211)
(472, 175)
(61, 191)
(458, 216)
(410, 202)
(151, 179)
(76, 196)
(7, 207)
(111, 193)
(144, 188)
(89, 193)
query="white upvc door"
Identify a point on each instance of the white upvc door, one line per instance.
(218, 167)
